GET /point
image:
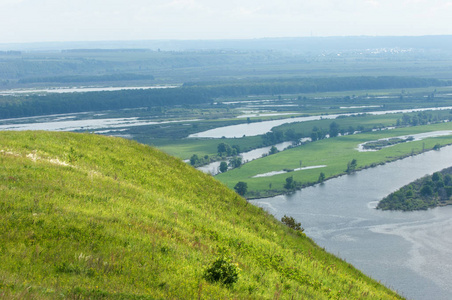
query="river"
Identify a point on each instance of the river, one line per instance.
(82, 89)
(410, 252)
(65, 124)
(214, 167)
(258, 128)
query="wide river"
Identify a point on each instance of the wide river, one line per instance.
(410, 252)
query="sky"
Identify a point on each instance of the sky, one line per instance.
(23, 21)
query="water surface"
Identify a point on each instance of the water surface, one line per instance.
(258, 128)
(410, 252)
(214, 167)
(82, 89)
(65, 124)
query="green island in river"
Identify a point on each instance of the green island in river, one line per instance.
(427, 192)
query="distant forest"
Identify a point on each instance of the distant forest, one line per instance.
(194, 94)
(313, 85)
(176, 62)
(35, 105)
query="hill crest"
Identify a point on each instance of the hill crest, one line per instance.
(87, 216)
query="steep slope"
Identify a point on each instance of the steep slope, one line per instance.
(86, 216)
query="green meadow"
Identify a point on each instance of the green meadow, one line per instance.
(333, 153)
(185, 148)
(361, 122)
(89, 217)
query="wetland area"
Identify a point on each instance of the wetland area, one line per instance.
(407, 251)
(317, 136)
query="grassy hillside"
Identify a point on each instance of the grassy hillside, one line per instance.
(85, 216)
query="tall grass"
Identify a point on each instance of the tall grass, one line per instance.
(85, 216)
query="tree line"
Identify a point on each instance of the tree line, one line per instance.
(313, 85)
(190, 93)
(34, 105)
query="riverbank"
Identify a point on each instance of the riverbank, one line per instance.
(427, 192)
(407, 251)
(272, 193)
(335, 154)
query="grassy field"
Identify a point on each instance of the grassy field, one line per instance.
(185, 148)
(90, 217)
(366, 122)
(335, 153)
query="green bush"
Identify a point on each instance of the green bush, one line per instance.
(290, 222)
(222, 270)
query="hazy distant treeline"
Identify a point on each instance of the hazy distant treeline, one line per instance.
(90, 79)
(33, 105)
(193, 94)
(313, 85)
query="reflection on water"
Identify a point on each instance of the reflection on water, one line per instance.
(410, 252)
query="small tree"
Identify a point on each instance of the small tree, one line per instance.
(241, 188)
(235, 162)
(223, 166)
(447, 179)
(436, 176)
(334, 129)
(314, 136)
(194, 159)
(426, 190)
(237, 149)
(290, 183)
(321, 177)
(291, 223)
(224, 149)
(273, 150)
(351, 166)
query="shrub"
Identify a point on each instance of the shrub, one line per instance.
(222, 270)
(241, 188)
(291, 223)
(290, 183)
(321, 177)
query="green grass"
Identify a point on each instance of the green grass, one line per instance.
(185, 148)
(335, 153)
(90, 217)
(367, 122)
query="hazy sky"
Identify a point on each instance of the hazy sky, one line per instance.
(88, 20)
